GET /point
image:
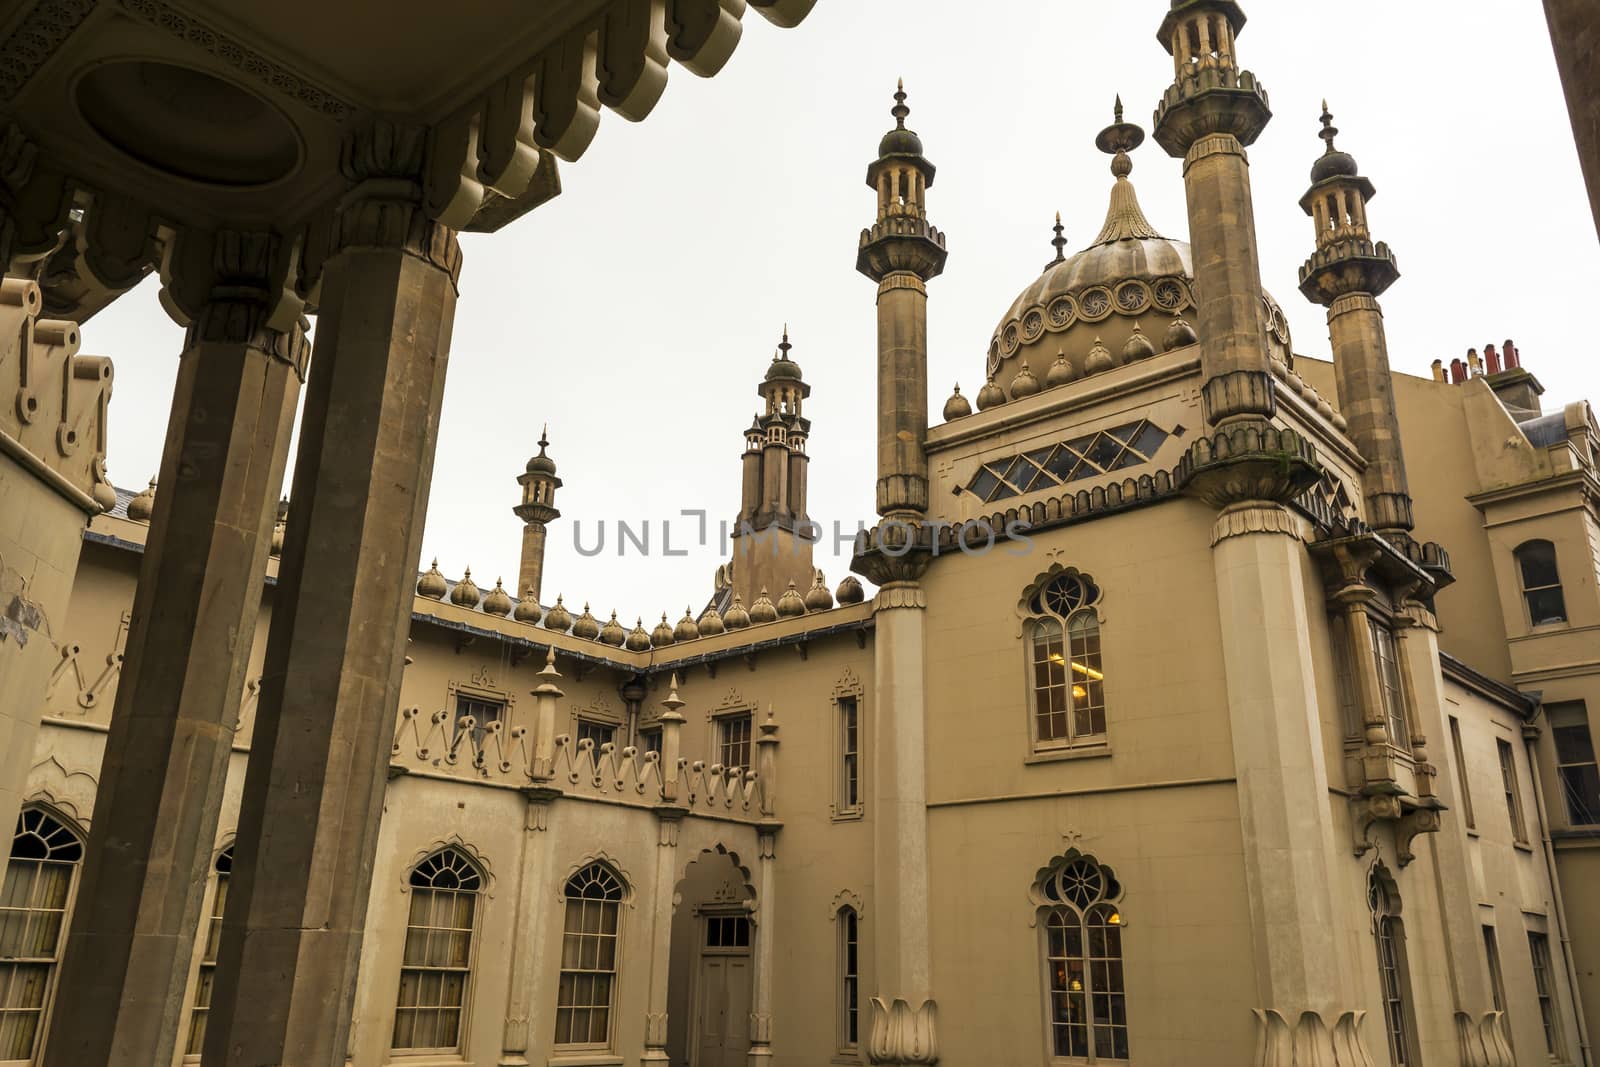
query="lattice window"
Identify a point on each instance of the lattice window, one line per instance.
(1066, 669)
(733, 742)
(205, 977)
(436, 970)
(597, 732)
(481, 710)
(33, 918)
(1086, 998)
(589, 954)
(1070, 461)
(849, 980)
(1389, 685)
(1394, 978)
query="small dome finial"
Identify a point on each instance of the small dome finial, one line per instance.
(1118, 139)
(1329, 130)
(1060, 240)
(900, 111)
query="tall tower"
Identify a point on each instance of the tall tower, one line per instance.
(773, 539)
(538, 508)
(1346, 274)
(901, 251)
(1207, 117)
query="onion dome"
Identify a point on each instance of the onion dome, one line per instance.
(528, 609)
(1332, 163)
(900, 141)
(686, 630)
(710, 623)
(1100, 358)
(736, 617)
(542, 464)
(143, 504)
(817, 597)
(279, 528)
(637, 640)
(663, 635)
(466, 594)
(432, 584)
(613, 634)
(957, 406)
(1180, 334)
(1138, 346)
(559, 618)
(783, 368)
(498, 602)
(1024, 384)
(587, 626)
(763, 610)
(850, 591)
(791, 603)
(1061, 371)
(991, 395)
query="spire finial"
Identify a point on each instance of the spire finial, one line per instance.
(1118, 139)
(544, 438)
(784, 345)
(900, 111)
(1060, 240)
(1119, 108)
(1329, 130)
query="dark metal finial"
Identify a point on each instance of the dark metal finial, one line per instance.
(1060, 240)
(784, 345)
(1329, 130)
(900, 111)
(1119, 108)
(544, 438)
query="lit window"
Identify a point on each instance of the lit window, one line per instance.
(206, 977)
(733, 742)
(1394, 701)
(849, 980)
(1086, 1003)
(1541, 583)
(437, 963)
(597, 733)
(1461, 773)
(1549, 1014)
(848, 801)
(1392, 971)
(1066, 670)
(33, 916)
(1575, 762)
(589, 958)
(1508, 781)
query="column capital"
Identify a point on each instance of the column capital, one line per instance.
(903, 1034)
(386, 207)
(1256, 517)
(1309, 1038)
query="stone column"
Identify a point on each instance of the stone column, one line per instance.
(1366, 399)
(1207, 117)
(313, 793)
(904, 1016)
(534, 926)
(902, 394)
(126, 970)
(669, 814)
(1287, 830)
(761, 1022)
(1481, 1032)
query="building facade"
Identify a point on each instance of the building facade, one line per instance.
(1204, 702)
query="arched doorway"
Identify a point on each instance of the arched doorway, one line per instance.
(711, 980)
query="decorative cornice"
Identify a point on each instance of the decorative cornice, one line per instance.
(36, 38)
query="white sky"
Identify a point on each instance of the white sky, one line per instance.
(637, 311)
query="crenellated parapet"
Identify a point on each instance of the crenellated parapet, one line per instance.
(1209, 94)
(1248, 462)
(53, 418)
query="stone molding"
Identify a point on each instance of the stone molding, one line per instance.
(1256, 517)
(1309, 1041)
(1215, 144)
(35, 40)
(903, 1035)
(1240, 393)
(846, 898)
(902, 280)
(900, 594)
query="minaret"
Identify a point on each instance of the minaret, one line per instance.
(1346, 274)
(1207, 117)
(772, 543)
(539, 484)
(900, 252)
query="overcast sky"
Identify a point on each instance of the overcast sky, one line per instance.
(638, 310)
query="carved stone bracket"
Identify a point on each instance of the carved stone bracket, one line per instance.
(903, 1035)
(1410, 816)
(1248, 461)
(1309, 1041)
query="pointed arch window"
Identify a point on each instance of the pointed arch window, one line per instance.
(1086, 1010)
(436, 968)
(589, 954)
(849, 923)
(1066, 673)
(34, 903)
(205, 976)
(1393, 975)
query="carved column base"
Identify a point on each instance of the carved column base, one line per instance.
(902, 1035)
(760, 1054)
(1484, 1041)
(1309, 1041)
(655, 1039)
